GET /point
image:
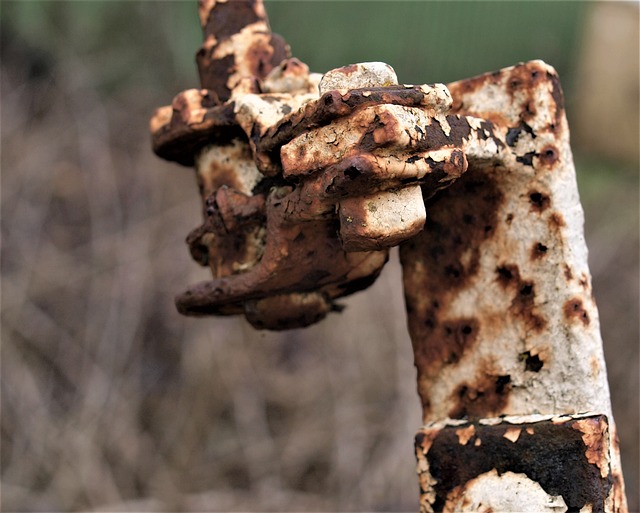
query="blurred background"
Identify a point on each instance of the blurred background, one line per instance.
(111, 401)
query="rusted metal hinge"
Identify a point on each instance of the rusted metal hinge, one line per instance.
(307, 180)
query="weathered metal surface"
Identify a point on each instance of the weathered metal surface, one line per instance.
(279, 221)
(521, 464)
(306, 180)
(279, 272)
(497, 285)
(238, 46)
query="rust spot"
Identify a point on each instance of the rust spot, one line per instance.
(618, 489)
(507, 274)
(548, 155)
(453, 338)
(513, 134)
(259, 58)
(556, 220)
(574, 309)
(524, 77)
(532, 362)
(523, 302)
(567, 273)
(539, 201)
(584, 281)
(487, 396)
(523, 306)
(558, 98)
(348, 70)
(220, 174)
(381, 131)
(538, 251)
(529, 111)
(470, 86)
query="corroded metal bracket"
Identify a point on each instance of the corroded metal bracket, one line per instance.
(307, 180)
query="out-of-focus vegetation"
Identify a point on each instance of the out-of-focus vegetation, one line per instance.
(113, 402)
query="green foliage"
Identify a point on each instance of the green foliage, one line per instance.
(435, 41)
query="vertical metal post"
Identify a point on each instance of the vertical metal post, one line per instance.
(504, 325)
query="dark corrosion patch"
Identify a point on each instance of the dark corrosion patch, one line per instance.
(229, 18)
(532, 362)
(486, 396)
(454, 337)
(538, 251)
(551, 454)
(215, 72)
(514, 133)
(435, 137)
(539, 201)
(523, 301)
(460, 219)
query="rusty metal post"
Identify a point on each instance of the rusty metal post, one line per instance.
(307, 180)
(504, 323)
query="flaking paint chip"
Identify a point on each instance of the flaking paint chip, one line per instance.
(512, 434)
(465, 434)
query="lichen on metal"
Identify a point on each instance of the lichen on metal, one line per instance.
(307, 180)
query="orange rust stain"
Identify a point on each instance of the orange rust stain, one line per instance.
(425, 438)
(584, 281)
(567, 273)
(523, 302)
(594, 435)
(574, 310)
(525, 78)
(465, 434)
(348, 70)
(619, 498)
(549, 155)
(556, 220)
(512, 434)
